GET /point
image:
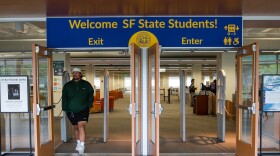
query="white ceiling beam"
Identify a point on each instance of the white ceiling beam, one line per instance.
(35, 19)
(260, 18)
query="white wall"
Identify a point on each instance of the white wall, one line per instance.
(226, 62)
(196, 74)
(57, 94)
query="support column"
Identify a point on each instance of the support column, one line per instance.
(90, 73)
(165, 83)
(111, 79)
(121, 81)
(226, 62)
(57, 79)
(196, 74)
(102, 73)
(116, 81)
(94, 77)
(67, 65)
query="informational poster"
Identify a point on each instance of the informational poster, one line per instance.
(14, 94)
(271, 93)
(58, 67)
(57, 83)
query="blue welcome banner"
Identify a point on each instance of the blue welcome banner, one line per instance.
(104, 32)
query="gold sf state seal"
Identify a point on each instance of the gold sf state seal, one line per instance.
(143, 39)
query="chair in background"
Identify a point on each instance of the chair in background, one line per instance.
(96, 106)
(120, 94)
(111, 103)
(102, 104)
(114, 93)
(97, 95)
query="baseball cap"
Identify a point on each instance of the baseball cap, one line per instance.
(76, 70)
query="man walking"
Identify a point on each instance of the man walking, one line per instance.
(77, 98)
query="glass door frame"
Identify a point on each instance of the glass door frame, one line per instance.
(152, 116)
(242, 147)
(46, 148)
(153, 56)
(135, 94)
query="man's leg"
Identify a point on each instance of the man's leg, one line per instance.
(82, 135)
(72, 119)
(76, 131)
(82, 130)
(77, 135)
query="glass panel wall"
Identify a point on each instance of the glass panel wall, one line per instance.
(15, 126)
(269, 64)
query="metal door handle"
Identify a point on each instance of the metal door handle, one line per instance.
(39, 109)
(129, 109)
(47, 107)
(160, 109)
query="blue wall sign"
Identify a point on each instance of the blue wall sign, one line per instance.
(103, 32)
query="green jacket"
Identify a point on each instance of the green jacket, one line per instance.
(77, 96)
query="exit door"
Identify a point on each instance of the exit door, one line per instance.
(42, 100)
(247, 100)
(145, 98)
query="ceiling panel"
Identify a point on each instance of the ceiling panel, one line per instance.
(260, 7)
(22, 8)
(143, 7)
(43, 8)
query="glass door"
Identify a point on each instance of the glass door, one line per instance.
(42, 100)
(135, 101)
(153, 99)
(145, 100)
(247, 100)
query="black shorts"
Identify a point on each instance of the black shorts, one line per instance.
(80, 116)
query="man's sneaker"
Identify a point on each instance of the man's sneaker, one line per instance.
(80, 149)
(77, 147)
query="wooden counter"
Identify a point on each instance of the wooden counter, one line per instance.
(201, 105)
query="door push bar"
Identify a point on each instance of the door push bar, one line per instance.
(39, 109)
